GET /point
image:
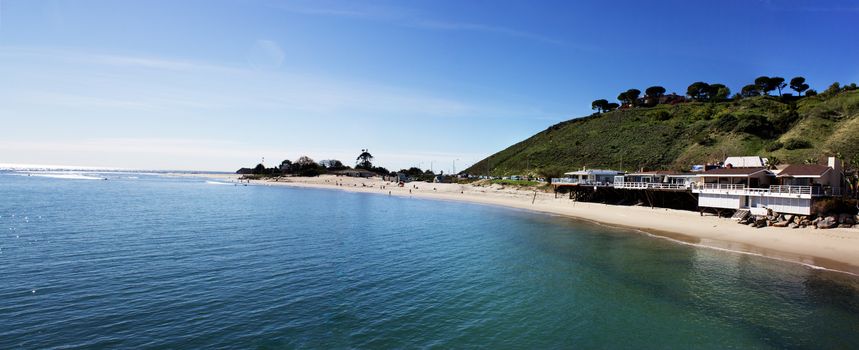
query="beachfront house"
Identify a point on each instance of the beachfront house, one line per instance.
(659, 179)
(594, 177)
(757, 189)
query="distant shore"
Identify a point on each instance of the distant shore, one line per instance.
(834, 249)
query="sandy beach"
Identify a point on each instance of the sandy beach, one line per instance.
(836, 249)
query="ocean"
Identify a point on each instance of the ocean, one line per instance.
(146, 261)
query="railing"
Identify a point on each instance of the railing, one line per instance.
(650, 185)
(706, 186)
(771, 190)
(565, 180)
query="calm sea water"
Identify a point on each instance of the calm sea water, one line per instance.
(149, 262)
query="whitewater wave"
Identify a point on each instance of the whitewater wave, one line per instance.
(60, 175)
(217, 183)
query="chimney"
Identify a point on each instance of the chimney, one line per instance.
(834, 163)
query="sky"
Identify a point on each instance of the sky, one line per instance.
(217, 85)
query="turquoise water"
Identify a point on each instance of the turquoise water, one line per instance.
(149, 262)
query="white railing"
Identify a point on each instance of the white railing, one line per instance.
(650, 185)
(706, 186)
(771, 190)
(793, 189)
(565, 180)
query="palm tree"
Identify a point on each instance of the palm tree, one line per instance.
(364, 160)
(773, 162)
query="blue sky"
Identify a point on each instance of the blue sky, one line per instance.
(214, 85)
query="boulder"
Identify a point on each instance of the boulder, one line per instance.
(792, 225)
(845, 226)
(789, 218)
(828, 222)
(780, 224)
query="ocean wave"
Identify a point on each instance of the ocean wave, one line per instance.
(67, 176)
(217, 183)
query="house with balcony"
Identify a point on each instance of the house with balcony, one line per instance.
(791, 191)
(588, 177)
(657, 180)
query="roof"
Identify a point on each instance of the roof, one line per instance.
(594, 172)
(746, 162)
(804, 170)
(735, 172)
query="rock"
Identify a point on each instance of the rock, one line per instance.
(842, 218)
(780, 224)
(789, 218)
(760, 221)
(845, 226)
(792, 225)
(828, 222)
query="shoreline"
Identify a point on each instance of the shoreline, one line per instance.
(828, 249)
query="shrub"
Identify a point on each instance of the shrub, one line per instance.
(773, 146)
(726, 123)
(660, 115)
(704, 139)
(796, 144)
(756, 125)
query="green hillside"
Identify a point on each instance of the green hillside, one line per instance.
(677, 136)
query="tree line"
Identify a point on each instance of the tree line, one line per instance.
(704, 92)
(306, 166)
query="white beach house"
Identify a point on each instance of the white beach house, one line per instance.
(659, 179)
(595, 177)
(757, 189)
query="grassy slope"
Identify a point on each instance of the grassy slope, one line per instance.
(675, 137)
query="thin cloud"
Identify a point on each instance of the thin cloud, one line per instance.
(409, 19)
(473, 27)
(134, 86)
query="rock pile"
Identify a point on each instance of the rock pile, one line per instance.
(800, 221)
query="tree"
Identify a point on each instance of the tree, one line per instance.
(259, 169)
(305, 166)
(750, 90)
(832, 90)
(777, 83)
(364, 160)
(599, 105)
(699, 90)
(811, 92)
(718, 92)
(332, 164)
(623, 98)
(653, 94)
(798, 84)
(654, 91)
(632, 96)
(764, 85)
(611, 106)
(286, 166)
